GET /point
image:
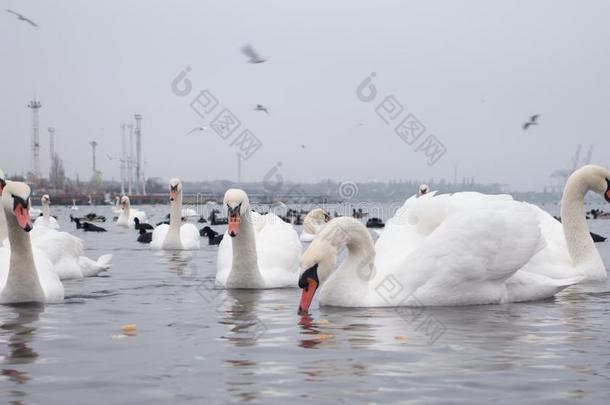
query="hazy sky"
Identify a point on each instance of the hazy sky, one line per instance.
(471, 71)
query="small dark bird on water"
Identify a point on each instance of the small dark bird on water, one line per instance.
(21, 17)
(145, 237)
(213, 237)
(253, 56)
(533, 121)
(138, 225)
(88, 227)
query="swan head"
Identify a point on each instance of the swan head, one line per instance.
(45, 200)
(423, 189)
(125, 202)
(319, 214)
(16, 201)
(175, 188)
(2, 181)
(595, 178)
(317, 263)
(237, 204)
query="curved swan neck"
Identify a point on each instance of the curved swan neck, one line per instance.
(351, 234)
(573, 218)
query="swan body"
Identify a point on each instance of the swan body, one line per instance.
(175, 236)
(46, 219)
(25, 275)
(66, 253)
(465, 260)
(128, 214)
(257, 251)
(313, 223)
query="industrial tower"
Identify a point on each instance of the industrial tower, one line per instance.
(139, 182)
(51, 154)
(35, 106)
(123, 158)
(93, 146)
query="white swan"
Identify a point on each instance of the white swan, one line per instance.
(313, 223)
(466, 259)
(257, 251)
(74, 207)
(46, 219)
(25, 276)
(116, 206)
(128, 214)
(175, 236)
(465, 248)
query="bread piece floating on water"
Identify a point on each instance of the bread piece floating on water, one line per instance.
(129, 329)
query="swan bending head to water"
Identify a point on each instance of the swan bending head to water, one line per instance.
(318, 261)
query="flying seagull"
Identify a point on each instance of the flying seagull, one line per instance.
(260, 107)
(196, 129)
(22, 17)
(533, 121)
(253, 56)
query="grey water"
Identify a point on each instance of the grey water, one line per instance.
(198, 344)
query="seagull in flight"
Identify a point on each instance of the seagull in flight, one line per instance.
(533, 121)
(22, 17)
(260, 107)
(196, 129)
(253, 56)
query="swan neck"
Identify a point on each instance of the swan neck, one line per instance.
(22, 283)
(175, 213)
(360, 250)
(45, 210)
(573, 218)
(244, 268)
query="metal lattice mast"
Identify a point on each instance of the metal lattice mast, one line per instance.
(35, 106)
(138, 118)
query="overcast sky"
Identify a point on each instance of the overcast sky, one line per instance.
(471, 71)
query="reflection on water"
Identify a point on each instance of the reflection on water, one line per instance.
(178, 261)
(238, 309)
(18, 331)
(201, 344)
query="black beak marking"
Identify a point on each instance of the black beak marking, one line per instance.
(312, 273)
(233, 212)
